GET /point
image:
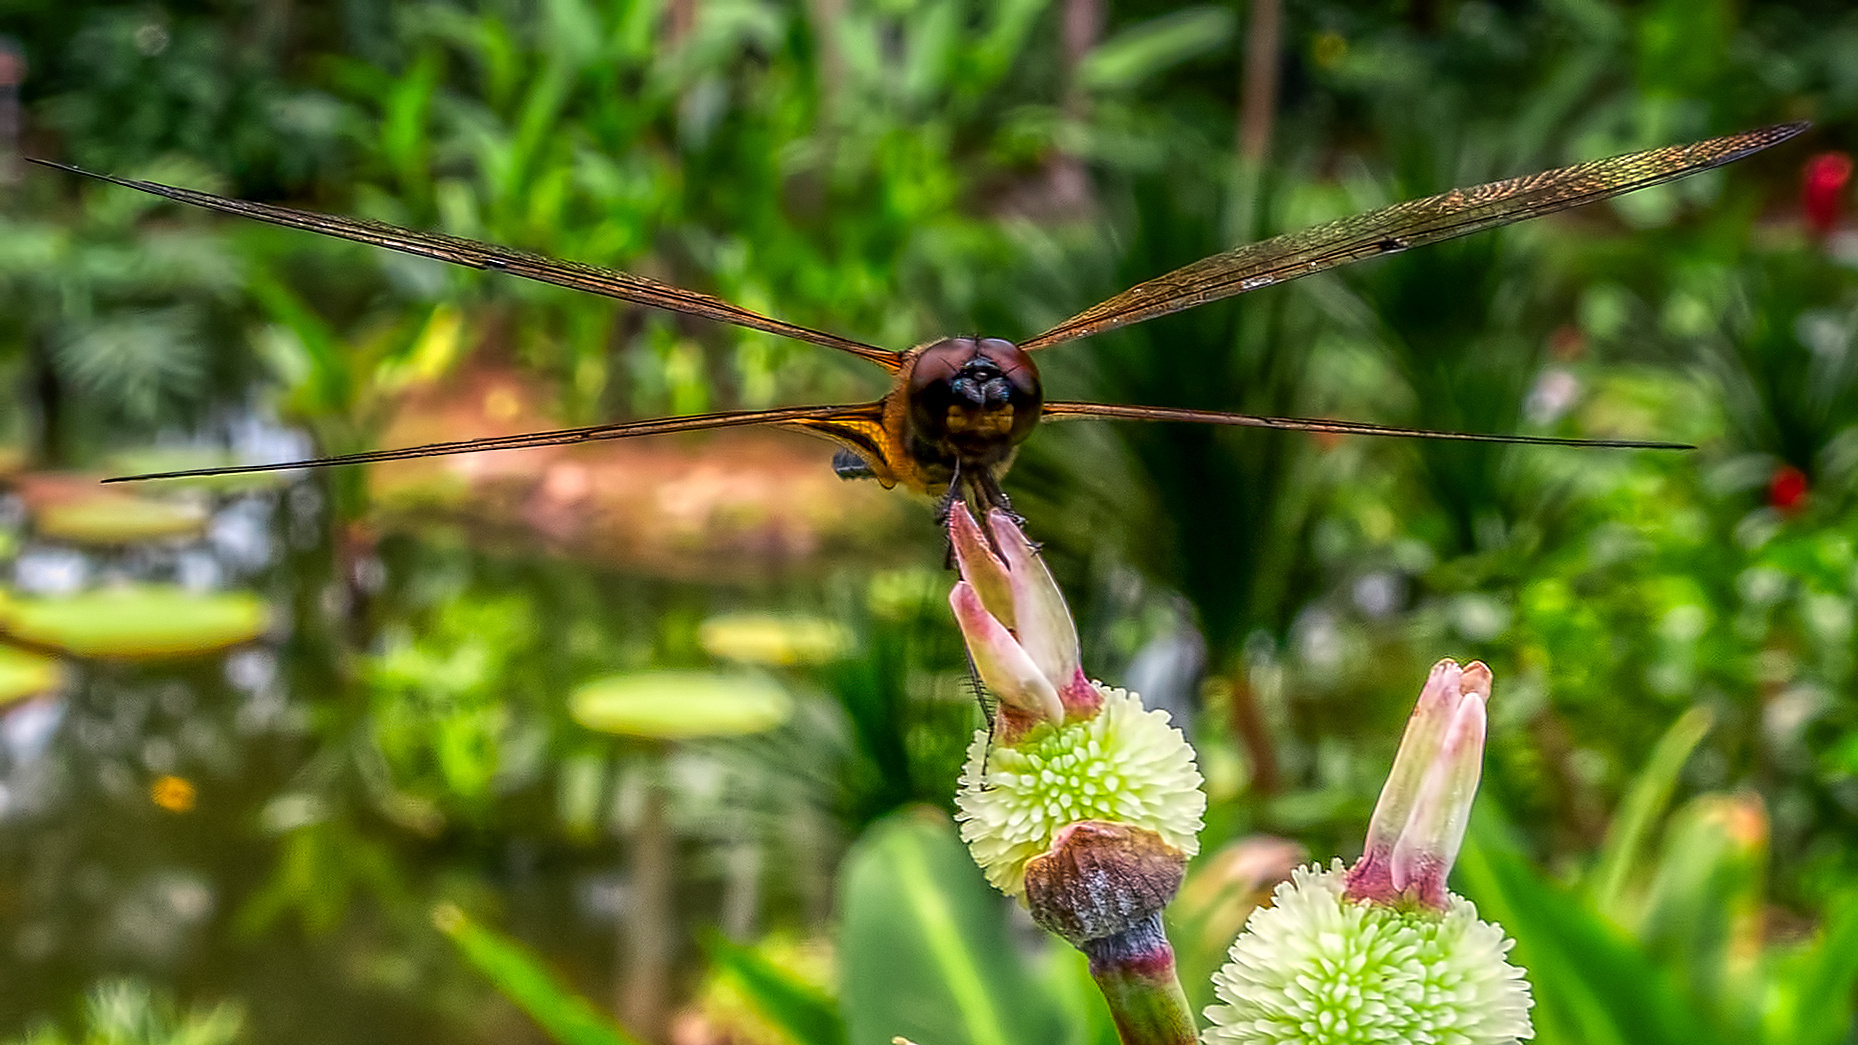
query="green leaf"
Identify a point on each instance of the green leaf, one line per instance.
(520, 976)
(774, 639)
(1702, 912)
(797, 1007)
(1065, 978)
(1643, 805)
(1125, 60)
(404, 137)
(1592, 985)
(930, 64)
(924, 948)
(991, 56)
(1811, 999)
(137, 364)
(107, 517)
(320, 365)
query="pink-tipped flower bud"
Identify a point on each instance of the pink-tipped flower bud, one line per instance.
(1015, 621)
(1419, 822)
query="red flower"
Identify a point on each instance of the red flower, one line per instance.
(1787, 489)
(1823, 190)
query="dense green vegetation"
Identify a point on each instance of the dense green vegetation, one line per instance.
(347, 829)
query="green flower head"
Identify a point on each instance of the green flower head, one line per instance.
(1126, 765)
(1316, 968)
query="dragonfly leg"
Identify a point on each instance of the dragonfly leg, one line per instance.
(989, 712)
(944, 506)
(946, 503)
(988, 495)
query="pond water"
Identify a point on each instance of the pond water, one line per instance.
(274, 819)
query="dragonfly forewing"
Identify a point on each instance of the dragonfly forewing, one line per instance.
(1414, 223)
(574, 275)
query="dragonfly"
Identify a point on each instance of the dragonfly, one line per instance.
(958, 408)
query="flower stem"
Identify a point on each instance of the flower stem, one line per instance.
(1135, 970)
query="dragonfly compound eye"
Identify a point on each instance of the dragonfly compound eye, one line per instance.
(973, 400)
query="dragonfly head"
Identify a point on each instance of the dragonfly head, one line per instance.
(974, 399)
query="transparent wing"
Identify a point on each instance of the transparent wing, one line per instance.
(1063, 411)
(572, 274)
(1390, 230)
(824, 420)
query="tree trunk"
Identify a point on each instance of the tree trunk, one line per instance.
(646, 927)
(1258, 91)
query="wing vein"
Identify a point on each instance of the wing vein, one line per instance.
(573, 275)
(1071, 411)
(530, 440)
(1413, 223)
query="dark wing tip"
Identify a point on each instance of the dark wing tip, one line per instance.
(55, 165)
(191, 473)
(1772, 135)
(69, 169)
(205, 473)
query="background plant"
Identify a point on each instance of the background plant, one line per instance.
(896, 170)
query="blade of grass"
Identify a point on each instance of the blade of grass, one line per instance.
(1643, 805)
(1811, 1000)
(1592, 984)
(520, 976)
(807, 1014)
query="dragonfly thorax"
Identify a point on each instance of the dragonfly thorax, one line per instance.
(971, 401)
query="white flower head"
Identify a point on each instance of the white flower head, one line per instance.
(1126, 764)
(1317, 968)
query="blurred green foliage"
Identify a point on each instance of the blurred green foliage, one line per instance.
(1663, 937)
(522, 978)
(896, 170)
(127, 1012)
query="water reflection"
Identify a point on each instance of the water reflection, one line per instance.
(276, 820)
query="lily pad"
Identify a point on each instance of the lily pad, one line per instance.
(781, 640)
(24, 674)
(679, 705)
(90, 514)
(138, 622)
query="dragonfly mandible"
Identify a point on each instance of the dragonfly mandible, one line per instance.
(958, 408)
